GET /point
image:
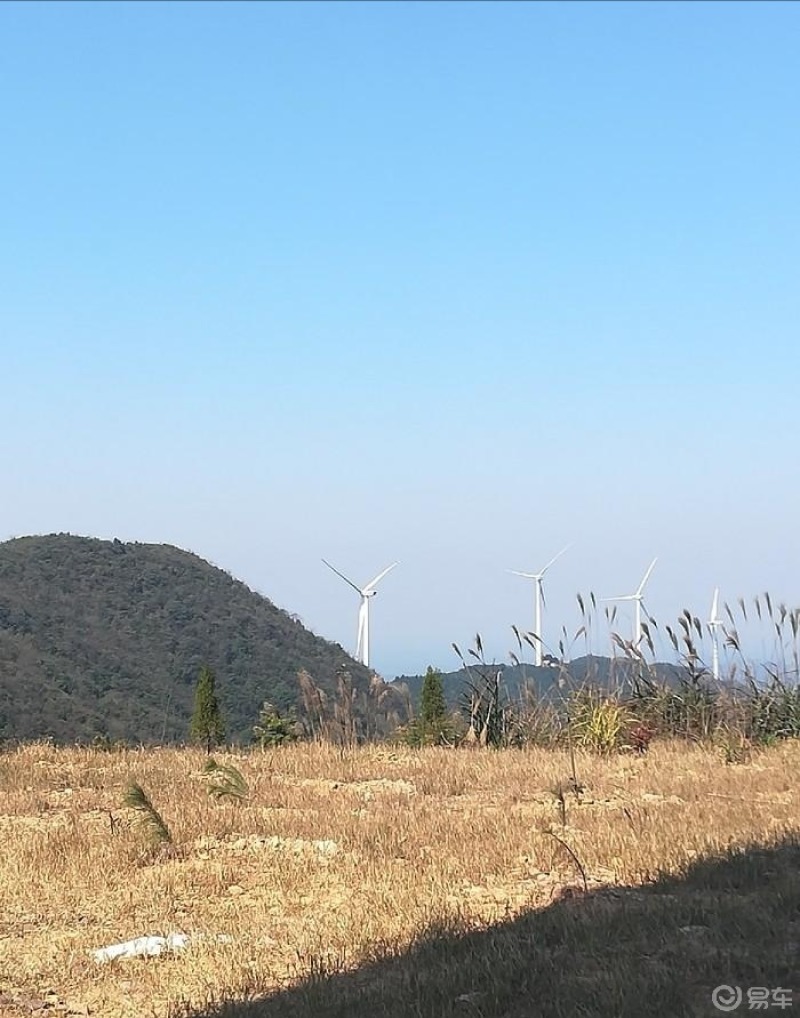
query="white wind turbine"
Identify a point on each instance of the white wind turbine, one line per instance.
(715, 623)
(365, 593)
(538, 601)
(638, 597)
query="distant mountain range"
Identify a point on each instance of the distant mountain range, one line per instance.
(106, 638)
(545, 682)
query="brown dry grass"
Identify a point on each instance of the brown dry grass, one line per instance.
(336, 859)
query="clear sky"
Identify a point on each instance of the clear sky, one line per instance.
(449, 283)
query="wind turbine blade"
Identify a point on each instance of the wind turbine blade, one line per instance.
(379, 577)
(528, 576)
(647, 576)
(342, 576)
(715, 606)
(621, 597)
(552, 560)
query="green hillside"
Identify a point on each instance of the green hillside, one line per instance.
(101, 637)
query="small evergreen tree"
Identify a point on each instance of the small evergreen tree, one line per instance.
(207, 725)
(274, 728)
(433, 723)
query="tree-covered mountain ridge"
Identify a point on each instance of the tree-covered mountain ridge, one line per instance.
(547, 683)
(102, 637)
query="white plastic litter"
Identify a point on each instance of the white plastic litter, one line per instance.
(142, 947)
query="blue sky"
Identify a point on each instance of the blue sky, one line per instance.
(449, 283)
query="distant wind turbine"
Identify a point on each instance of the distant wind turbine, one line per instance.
(638, 597)
(365, 593)
(715, 623)
(538, 602)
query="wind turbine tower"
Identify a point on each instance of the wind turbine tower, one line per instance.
(538, 595)
(637, 598)
(714, 624)
(365, 593)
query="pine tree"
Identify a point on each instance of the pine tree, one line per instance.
(433, 723)
(207, 725)
(274, 728)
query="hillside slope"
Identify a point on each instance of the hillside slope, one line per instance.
(101, 637)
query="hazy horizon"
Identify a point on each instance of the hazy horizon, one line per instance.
(449, 284)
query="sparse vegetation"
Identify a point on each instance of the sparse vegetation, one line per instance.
(627, 701)
(351, 716)
(434, 873)
(484, 700)
(347, 851)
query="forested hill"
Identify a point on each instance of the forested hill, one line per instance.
(101, 637)
(545, 683)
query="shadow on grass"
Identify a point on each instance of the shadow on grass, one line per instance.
(654, 950)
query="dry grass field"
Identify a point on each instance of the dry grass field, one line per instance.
(381, 881)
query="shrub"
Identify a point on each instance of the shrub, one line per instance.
(640, 735)
(774, 711)
(273, 727)
(599, 723)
